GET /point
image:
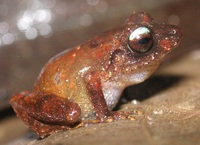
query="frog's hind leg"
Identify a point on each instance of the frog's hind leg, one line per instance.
(45, 113)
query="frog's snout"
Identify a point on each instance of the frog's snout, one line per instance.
(174, 34)
(171, 37)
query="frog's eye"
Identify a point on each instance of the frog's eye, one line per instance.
(140, 40)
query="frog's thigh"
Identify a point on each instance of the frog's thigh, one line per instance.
(47, 108)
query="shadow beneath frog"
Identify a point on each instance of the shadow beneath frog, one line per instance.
(148, 88)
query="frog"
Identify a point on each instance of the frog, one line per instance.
(84, 84)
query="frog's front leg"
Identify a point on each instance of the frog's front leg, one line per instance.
(45, 113)
(94, 87)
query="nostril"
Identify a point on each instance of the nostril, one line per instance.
(174, 31)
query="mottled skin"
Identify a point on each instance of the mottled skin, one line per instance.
(84, 84)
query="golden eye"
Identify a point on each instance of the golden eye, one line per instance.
(140, 40)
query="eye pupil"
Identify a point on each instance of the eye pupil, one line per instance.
(144, 40)
(140, 40)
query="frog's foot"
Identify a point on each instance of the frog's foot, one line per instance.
(43, 130)
(45, 113)
(120, 115)
(115, 115)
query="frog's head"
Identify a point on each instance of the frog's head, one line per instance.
(143, 46)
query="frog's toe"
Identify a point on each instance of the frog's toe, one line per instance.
(119, 115)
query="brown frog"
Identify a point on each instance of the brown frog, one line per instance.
(84, 84)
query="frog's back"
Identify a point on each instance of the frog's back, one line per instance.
(60, 74)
